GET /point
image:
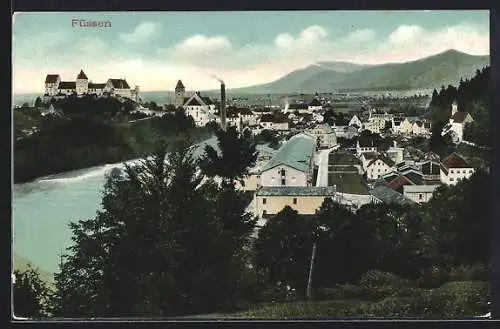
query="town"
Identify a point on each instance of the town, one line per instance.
(370, 157)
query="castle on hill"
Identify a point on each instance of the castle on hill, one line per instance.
(83, 86)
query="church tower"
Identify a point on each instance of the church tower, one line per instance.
(454, 108)
(179, 94)
(82, 83)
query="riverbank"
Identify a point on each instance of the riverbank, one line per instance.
(62, 146)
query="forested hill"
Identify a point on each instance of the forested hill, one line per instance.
(473, 96)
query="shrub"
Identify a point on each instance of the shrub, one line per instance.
(434, 277)
(454, 299)
(377, 278)
(477, 272)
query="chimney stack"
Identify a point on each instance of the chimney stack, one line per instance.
(223, 106)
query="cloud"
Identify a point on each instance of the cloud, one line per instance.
(141, 32)
(362, 35)
(406, 34)
(307, 37)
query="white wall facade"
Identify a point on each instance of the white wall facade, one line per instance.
(455, 175)
(292, 177)
(377, 169)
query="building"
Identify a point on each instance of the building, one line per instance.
(324, 134)
(430, 171)
(292, 165)
(355, 122)
(383, 194)
(199, 107)
(395, 153)
(82, 86)
(271, 122)
(455, 168)
(419, 193)
(396, 125)
(406, 126)
(366, 146)
(457, 123)
(315, 105)
(379, 166)
(347, 132)
(264, 152)
(270, 200)
(352, 191)
(179, 94)
(421, 128)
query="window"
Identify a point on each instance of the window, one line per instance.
(283, 172)
(464, 171)
(264, 212)
(470, 171)
(283, 182)
(451, 171)
(264, 201)
(258, 176)
(451, 179)
(420, 196)
(294, 200)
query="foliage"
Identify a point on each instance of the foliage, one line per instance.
(237, 155)
(31, 294)
(267, 136)
(90, 139)
(455, 223)
(283, 250)
(164, 244)
(478, 131)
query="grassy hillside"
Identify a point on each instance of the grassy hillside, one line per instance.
(427, 73)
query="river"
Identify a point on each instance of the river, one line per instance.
(43, 209)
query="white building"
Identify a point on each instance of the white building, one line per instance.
(292, 165)
(379, 166)
(198, 108)
(455, 168)
(365, 146)
(421, 128)
(269, 121)
(419, 193)
(324, 134)
(82, 86)
(355, 121)
(396, 153)
(457, 122)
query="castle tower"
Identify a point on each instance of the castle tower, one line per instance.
(179, 94)
(454, 108)
(82, 83)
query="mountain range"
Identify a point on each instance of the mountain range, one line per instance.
(427, 73)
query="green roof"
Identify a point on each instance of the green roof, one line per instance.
(296, 190)
(265, 148)
(349, 183)
(296, 153)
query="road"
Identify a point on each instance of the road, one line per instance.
(322, 162)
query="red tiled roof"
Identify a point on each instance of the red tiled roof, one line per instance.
(455, 161)
(399, 182)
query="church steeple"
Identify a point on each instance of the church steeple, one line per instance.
(179, 94)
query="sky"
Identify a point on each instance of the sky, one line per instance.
(155, 49)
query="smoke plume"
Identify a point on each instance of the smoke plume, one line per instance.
(217, 78)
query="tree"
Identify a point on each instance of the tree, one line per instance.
(159, 247)
(283, 249)
(455, 223)
(237, 155)
(38, 102)
(30, 293)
